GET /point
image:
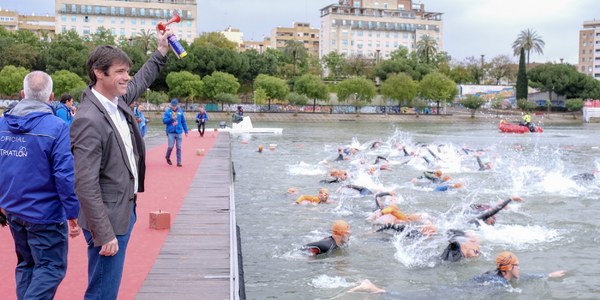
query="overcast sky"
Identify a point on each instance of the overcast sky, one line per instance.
(471, 27)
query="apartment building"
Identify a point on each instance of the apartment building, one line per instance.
(125, 18)
(301, 32)
(589, 49)
(234, 35)
(42, 26)
(375, 28)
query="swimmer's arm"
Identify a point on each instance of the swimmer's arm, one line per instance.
(304, 198)
(495, 210)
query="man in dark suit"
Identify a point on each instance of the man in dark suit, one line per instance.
(109, 160)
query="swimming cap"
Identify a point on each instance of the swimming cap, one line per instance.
(446, 178)
(438, 173)
(324, 190)
(340, 227)
(506, 260)
(457, 185)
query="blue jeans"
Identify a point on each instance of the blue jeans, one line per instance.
(174, 138)
(105, 272)
(41, 257)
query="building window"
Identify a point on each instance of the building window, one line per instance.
(86, 31)
(113, 20)
(73, 19)
(142, 22)
(63, 18)
(154, 22)
(73, 8)
(100, 20)
(142, 12)
(121, 10)
(189, 23)
(89, 9)
(583, 59)
(122, 31)
(113, 10)
(103, 9)
(189, 14)
(584, 44)
(344, 42)
(97, 10)
(133, 21)
(63, 28)
(113, 31)
(583, 51)
(63, 8)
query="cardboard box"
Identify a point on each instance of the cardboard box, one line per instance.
(160, 220)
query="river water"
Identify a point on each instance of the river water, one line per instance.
(556, 227)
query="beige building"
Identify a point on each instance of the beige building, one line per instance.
(234, 35)
(259, 46)
(589, 49)
(126, 17)
(299, 32)
(375, 28)
(41, 25)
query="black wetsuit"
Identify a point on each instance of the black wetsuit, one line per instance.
(584, 177)
(431, 176)
(488, 211)
(481, 165)
(363, 190)
(412, 233)
(493, 277)
(330, 179)
(452, 252)
(325, 245)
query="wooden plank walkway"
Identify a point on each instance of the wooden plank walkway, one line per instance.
(195, 260)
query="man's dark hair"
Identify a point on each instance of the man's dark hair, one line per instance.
(103, 57)
(65, 97)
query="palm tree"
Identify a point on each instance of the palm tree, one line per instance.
(528, 40)
(146, 39)
(295, 51)
(427, 46)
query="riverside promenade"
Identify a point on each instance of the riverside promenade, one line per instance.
(194, 259)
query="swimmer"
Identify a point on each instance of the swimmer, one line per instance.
(260, 148)
(461, 245)
(364, 191)
(507, 269)
(446, 187)
(322, 197)
(488, 213)
(585, 177)
(391, 215)
(340, 235)
(335, 176)
(482, 167)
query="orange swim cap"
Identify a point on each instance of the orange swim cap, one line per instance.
(340, 227)
(446, 178)
(438, 173)
(506, 260)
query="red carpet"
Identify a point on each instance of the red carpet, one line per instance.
(166, 187)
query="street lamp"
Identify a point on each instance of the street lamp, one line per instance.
(377, 57)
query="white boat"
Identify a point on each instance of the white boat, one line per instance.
(245, 126)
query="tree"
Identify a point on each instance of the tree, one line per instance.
(522, 83)
(574, 105)
(400, 87)
(184, 85)
(312, 87)
(67, 52)
(401, 61)
(358, 66)
(359, 90)
(335, 63)
(102, 36)
(295, 53)
(476, 69)
(66, 82)
(438, 87)
(525, 105)
(11, 80)
(156, 98)
(226, 98)
(500, 67)
(528, 40)
(419, 104)
(274, 87)
(214, 39)
(553, 78)
(427, 47)
(473, 103)
(146, 40)
(260, 96)
(297, 100)
(460, 74)
(218, 83)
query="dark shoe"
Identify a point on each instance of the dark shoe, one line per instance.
(169, 162)
(179, 164)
